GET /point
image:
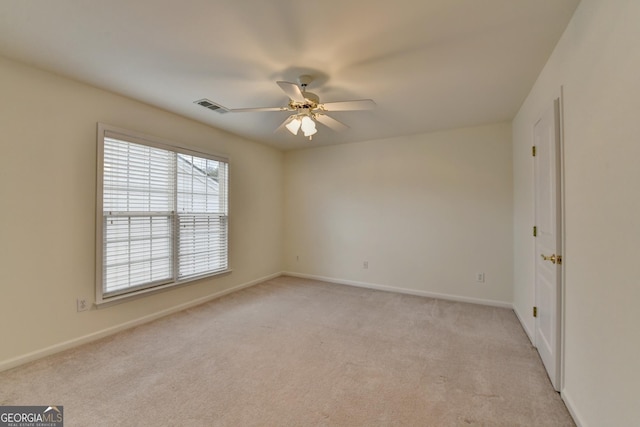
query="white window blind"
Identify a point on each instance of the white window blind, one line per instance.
(202, 215)
(163, 212)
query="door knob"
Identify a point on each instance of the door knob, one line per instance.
(553, 258)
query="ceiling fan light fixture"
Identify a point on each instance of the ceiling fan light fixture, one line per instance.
(294, 125)
(308, 126)
(311, 133)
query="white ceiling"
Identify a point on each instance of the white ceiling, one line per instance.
(428, 64)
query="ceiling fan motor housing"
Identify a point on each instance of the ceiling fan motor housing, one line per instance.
(311, 104)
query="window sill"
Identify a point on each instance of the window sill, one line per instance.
(130, 296)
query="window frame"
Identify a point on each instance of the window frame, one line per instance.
(108, 298)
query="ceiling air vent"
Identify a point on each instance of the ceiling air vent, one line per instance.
(207, 103)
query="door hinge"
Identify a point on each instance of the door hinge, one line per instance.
(535, 311)
(533, 151)
(535, 231)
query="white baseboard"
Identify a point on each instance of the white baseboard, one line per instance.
(572, 408)
(524, 326)
(386, 288)
(56, 348)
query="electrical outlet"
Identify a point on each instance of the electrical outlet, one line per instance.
(480, 277)
(365, 265)
(82, 304)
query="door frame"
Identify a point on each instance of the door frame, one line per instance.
(563, 245)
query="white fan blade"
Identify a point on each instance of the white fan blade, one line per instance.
(259, 109)
(330, 122)
(358, 104)
(293, 91)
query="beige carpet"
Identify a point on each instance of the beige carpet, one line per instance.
(294, 352)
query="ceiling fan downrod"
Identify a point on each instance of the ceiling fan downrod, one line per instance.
(304, 81)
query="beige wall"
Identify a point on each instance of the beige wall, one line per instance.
(427, 212)
(47, 214)
(597, 61)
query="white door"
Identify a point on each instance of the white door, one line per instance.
(548, 240)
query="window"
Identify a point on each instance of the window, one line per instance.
(162, 215)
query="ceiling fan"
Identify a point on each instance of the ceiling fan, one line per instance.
(307, 108)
